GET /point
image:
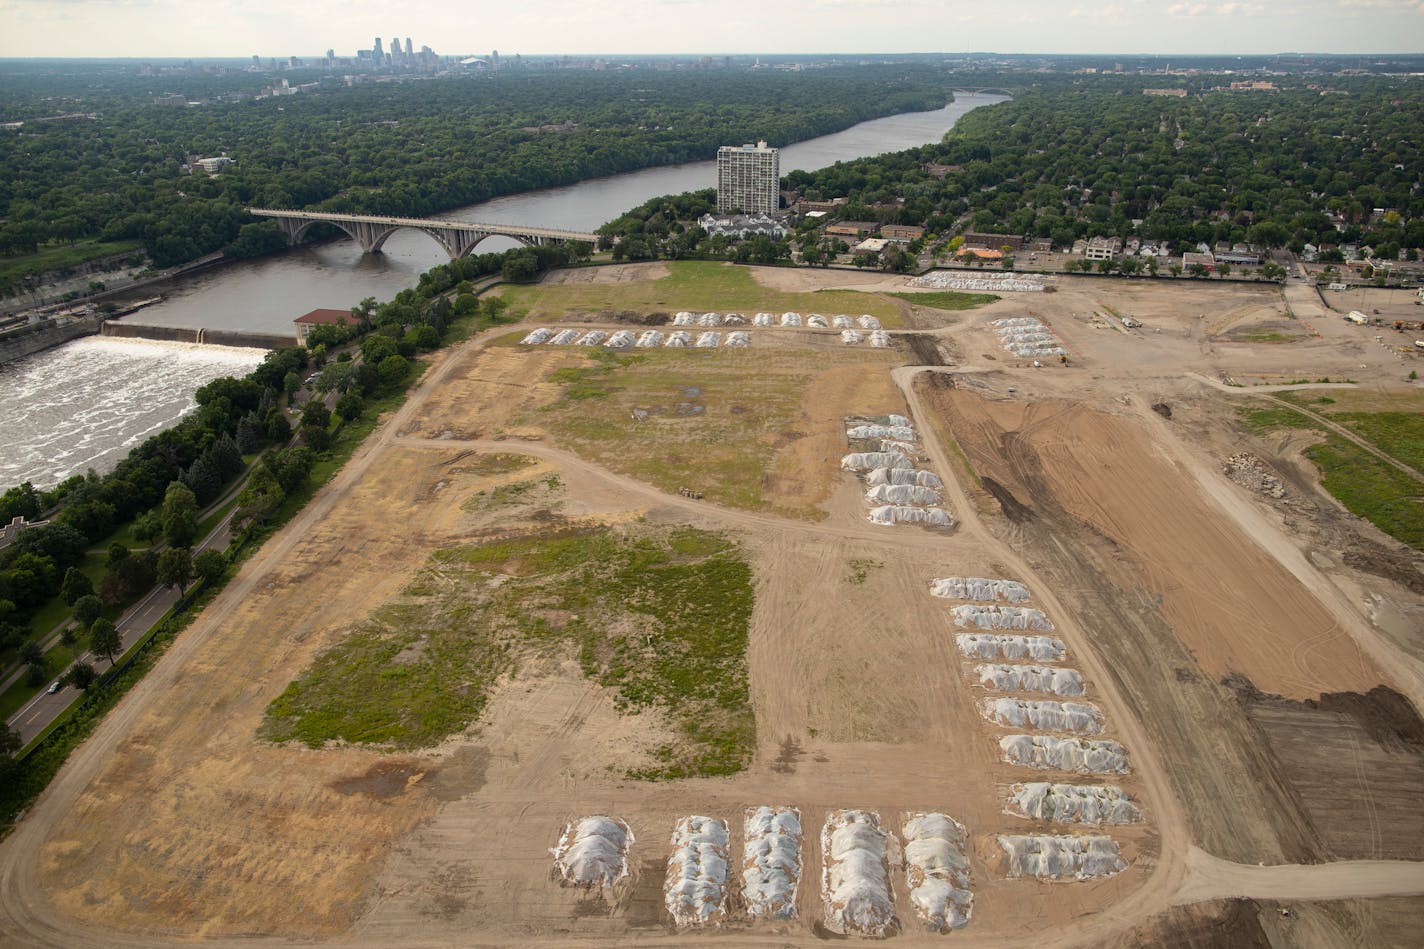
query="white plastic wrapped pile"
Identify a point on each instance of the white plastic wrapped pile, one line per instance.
(855, 881)
(695, 890)
(710, 319)
(880, 339)
(927, 479)
(733, 319)
(679, 339)
(737, 339)
(902, 494)
(791, 319)
(593, 852)
(851, 337)
(1073, 803)
(937, 869)
(979, 588)
(1080, 755)
(904, 448)
(771, 861)
(891, 514)
(990, 646)
(868, 322)
(709, 340)
(649, 339)
(763, 319)
(842, 322)
(621, 340)
(1025, 336)
(1079, 718)
(999, 617)
(902, 431)
(870, 460)
(817, 320)
(960, 280)
(537, 337)
(683, 318)
(1001, 677)
(564, 337)
(1059, 858)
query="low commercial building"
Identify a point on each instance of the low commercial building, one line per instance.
(1102, 248)
(993, 241)
(1206, 260)
(903, 233)
(871, 245)
(309, 321)
(981, 253)
(856, 229)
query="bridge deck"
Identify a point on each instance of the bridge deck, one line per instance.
(512, 230)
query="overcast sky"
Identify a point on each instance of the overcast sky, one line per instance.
(154, 28)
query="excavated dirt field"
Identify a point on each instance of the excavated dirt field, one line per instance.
(1225, 635)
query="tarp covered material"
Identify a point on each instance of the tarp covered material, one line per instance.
(979, 588)
(621, 340)
(868, 322)
(908, 449)
(1082, 755)
(593, 851)
(880, 339)
(679, 339)
(855, 881)
(710, 319)
(695, 889)
(763, 319)
(902, 494)
(937, 869)
(891, 514)
(791, 319)
(564, 337)
(961, 280)
(738, 338)
(842, 322)
(927, 479)
(991, 646)
(1080, 718)
(683, 319)
(816, 319)
(868, 460)
(771, 861)
(1073, 803)
(592, 338)
(999, 617)
(893, 419)
(709, 340)
(1062, 858)
(1001, 677)
(904, 433)
(733, 319)
(650, 338)
(537, 337)
(851, 337)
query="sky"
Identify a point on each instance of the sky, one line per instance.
(280, 28)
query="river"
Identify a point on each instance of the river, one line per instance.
(87, 402)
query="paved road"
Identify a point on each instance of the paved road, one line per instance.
(36, 715)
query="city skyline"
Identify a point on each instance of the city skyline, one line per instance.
(165, 28)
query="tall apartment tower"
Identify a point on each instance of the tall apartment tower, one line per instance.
(409, 48)
(378, 52)
(748, 179)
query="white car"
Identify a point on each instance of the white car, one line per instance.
(53, 687)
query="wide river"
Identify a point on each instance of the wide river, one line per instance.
(82, 405)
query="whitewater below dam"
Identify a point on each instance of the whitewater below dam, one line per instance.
(85, 404)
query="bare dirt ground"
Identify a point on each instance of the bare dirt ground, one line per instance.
(1183, 598)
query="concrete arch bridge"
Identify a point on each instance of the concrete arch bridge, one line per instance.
(459, 238)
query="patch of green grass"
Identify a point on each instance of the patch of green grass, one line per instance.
(662, 617)
(1271, 337)
(707, 420)
(490, 465)
(692, 285)
(860, 569)
(1381, 494)
(948, 299)
(1398, 434)
(59, 256)
(1274, 418)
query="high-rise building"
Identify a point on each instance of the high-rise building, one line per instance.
(409, 48)
(378, 51)
(748, 179)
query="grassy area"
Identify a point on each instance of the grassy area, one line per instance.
(948, 299)
(698, 285)
(708, 420)
(59, 256)
(1368, 487)
(1271, 337)
(660, 616)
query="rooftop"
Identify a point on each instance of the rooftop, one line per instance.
(325, 316)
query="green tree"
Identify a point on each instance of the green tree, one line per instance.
(349, 407)
(104, 639)
(76, 583)
(393, 370)
(175, 568)
(87, 609)
(209, 566)
(82, 676)
(180, 515)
